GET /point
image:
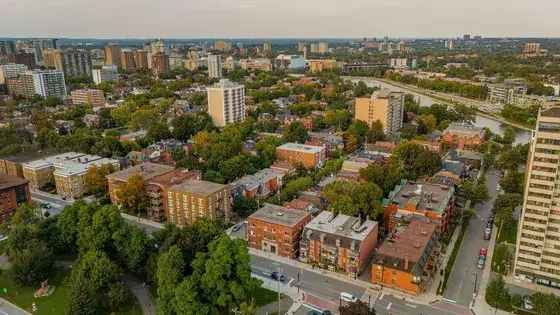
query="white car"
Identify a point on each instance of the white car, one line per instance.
(347, 297)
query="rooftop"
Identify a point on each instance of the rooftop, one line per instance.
(147, 170)
(225, 83)
(198, 187)
(464, 129)
(51, 160)
(384, 93)
(279, 215)
(7, 181)
(301, 147)
(80, 164)
(341, 225)
(423, 196)
(407, 245)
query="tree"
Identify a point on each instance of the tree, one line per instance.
(82, 300)
(361, 89)
(295, 132)
(244, 207)
(266, 150)
(475, 191)
(497, 294)
(96, 232)
(170, 270)
(376, 132)
(512, 182)
(426, 123)
(294, 187)
(158, 131)
(221, 280)
(509, 135)
(32, 263)
(353, 199)
(356, 308)
(133, 247)
(546, 304)
(415, 161)
(386, 177)
(132, 195)
(96, 179)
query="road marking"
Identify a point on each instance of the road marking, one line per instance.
(382, 295)
(449, 301)
(389, 306)
(411, 305)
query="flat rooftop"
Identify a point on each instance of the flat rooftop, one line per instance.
(7, 181)
(301, 147)
(279, 215)
(147, 170)
(424, 196)
(198, 187)
(464, 129)
(51, 160)
(408, 244)
(341, 225)
(81, 164)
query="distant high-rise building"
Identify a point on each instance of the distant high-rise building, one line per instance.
(226, 103)
(7, 47)
(113, 54)
(24, 58)
(141, 59)
(532, 49)
(95, 98)
(222, 45)
(40, 45)
(128, 62)
(466, 37)
(215, 66)
(538, 236)
(73, 62)
(267, 47)
(401, 46)
(11, 71)
(106, 73)
(386, 106)
(301, 46)
(323, 48)
(160, 64)
(450, 44)
(39, 82)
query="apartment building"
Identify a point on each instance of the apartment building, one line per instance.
(420, 199)
(259, 185)
(320, 65)
(226, 103)
(113, 55)
(69, 175)
(13, 192)
(73, 62)
(537, 256)
(141, 59)
(308, 156)
(128, 63)
(160, 64)
(222, 45)
(507, 92)
(277, 230)
(406, 260)
(339, 242)
(289, 62)
(11, 71)
(462, 136)
(386, 106)
(258, 64)
(215, 67)
(39, 172)
(106, 73)
(92, 97)
(194, 200)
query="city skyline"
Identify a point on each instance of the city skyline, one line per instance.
(268, 19)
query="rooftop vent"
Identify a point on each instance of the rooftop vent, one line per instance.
(280, 214)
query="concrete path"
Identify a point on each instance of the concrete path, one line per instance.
(142, 294)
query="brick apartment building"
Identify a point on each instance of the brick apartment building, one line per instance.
(13, 192)
(193, 200)
(339, 242)
(463, 136)
(158, 179)
(93, 97)
(406, 260)
(259, 185)
(421, 199)
(277, 229)
(40, 173)
(300, 154)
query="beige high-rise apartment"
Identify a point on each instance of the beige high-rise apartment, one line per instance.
(193, 200)
(113, 54)
(215, 66)
(386, 106)
(160, 64)
(141, 59)
(537, 255)
(93, 97)
(226, 103)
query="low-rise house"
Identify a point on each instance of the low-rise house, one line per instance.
(407, 259)
(463, 136)
(433, 201)
(277, 230)
(303, 203)
(259, 185)
(462, 162)
(133, 136)
(307, 156)
(339, 242)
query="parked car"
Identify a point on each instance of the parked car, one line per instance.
(278, 276)
(347, 297)
(483, 252)
(236, 228)
(528, 303)
(489, 225)
(314, 312)
(487, 233)
(481, 262)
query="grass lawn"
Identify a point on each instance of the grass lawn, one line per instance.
(264, 296)
(55, 304)
(508, 233)
(23, 296)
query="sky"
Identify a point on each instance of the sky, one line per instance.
(278, 18)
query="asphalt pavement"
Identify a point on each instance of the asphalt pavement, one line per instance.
(465, 273)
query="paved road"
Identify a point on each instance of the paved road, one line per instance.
(7, 308)
(142, 294)
(461, 282)
(57, 204)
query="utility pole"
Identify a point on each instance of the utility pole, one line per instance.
(278, 280)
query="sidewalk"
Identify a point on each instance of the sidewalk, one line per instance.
(7, 308)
